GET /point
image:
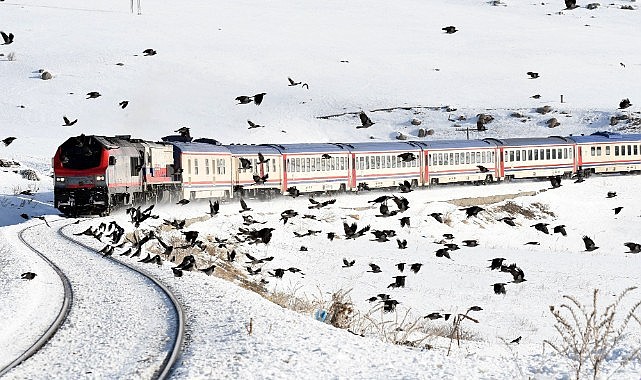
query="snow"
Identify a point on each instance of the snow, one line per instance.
(397, 56)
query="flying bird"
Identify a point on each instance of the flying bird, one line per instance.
(149, 52)
(68, 123)
(243, 206)
(93, 94)
(482, 169)
(633, 247)
(405, 221)
(405, 186)
(123, 104)
(253, 125)
(589, 244)
(499, 288)
(543, 227)
(8, 140)
(569, 4)
(375, 268)
(258, 98)
(293, 191)
(401, 267)
(532, 74)
(347, 264)
(366, 122)
(244, 99)
(8, 38)
(518, 340)
(402, 244)
(28, 276)
(437, 216)
(472, 210)
(416, 267)
(326, 156)
(509, 220)
(617, 210)
(497, 263)
(560, 229)
(292, 83)
(260, 180)
(245, 163)
(182, 202)
(449, 29)
(407, 157)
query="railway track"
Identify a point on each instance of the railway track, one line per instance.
(108, 330)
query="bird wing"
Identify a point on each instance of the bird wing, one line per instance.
(5, 37)
(291, 81)
(243, 204)
(364, 119)
(251, 124)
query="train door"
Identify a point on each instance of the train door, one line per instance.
(351, 170)
(501, 163)
(425, 170)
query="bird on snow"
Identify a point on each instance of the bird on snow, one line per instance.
(405, 186)
(405, 221)
(402, 244)
(347, 263)
(518, 340)
(366, 122)
(499, 288)
(28, 276)
(93, 94)
(570, 4)
(123, 104)
(437, 216)
(633, 247)
(472, 210)
(555, 181)
(532, 74)
(496, 263)
(182, 202)
(625, 103)
(68, 122)
(213, 208)
(611, 194)
(470, 243)
(8, 38)
(375, 268)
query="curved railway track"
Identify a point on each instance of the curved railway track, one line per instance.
(62, 313)
(171, 347)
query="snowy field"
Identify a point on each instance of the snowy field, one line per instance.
(354, 56)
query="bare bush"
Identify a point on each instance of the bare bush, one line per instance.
(589, 335)
(11, 56)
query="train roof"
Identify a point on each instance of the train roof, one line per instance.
(530, 141)
(311, 148)
(606, 137)
(239, 149)
(454, 144)
(197, 147)
(382, 146)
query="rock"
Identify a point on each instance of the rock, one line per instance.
(552, 123)
(401, 136)
(543, 110)
(422, 132)
(482, 120)
(517, 114)
(592, 6)
(614, 120)
(416, 121)
(430, 132)
(46, 75)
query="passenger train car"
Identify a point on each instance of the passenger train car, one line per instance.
(94, 174)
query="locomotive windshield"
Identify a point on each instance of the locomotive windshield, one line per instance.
(80, 152)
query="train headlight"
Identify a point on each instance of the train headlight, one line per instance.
(100, 178)
(60, 179)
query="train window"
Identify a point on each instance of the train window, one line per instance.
(554, 154)
(616, 150)
(473, 157)
(511, 156)
(378, 162)
(523, 155)
(207, 166)
(623, 150)
(536, 154)
(332, 163)
(478, 157)
(598, 150)
(440, 158)
(188, 166)
(372, 162)
(529, 154)
(607, 150)
(196, 166)
(559, 153)
(318, 164)
(636, 151)
(467, 158)
(492, 153)
(547, 154)
(288, 165)
(388, 162)
(518, 155)
(394, 161)
(456, 159)
(445, 161)
(592, 151)
(629, 150)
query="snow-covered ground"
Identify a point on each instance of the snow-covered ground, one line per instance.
(354, 56)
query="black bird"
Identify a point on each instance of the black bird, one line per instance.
(633, 247)
(532, 243)
(380, 199)
(555, 181)
(437, 216)
(253, 125)
(625, 103)
(243, 206)
(389, 305)
(213, 208)
(472, 210)
(182, 202)
(532, 75)
(347, 264)
(208, 271)
(366, 122)
(231, 255)
(560, 229)
(407, 157)
(401, 267)
(190, 237)
(589, 244)
(569, 4)
(293, 191)
(278, 273)
(405, 186)
(363, 186)
(375, 268)
(8, 140)
(124, 104)
(260, 180)
(399, 282)
(262, 159)
(292, 83)
(416, 267)
(470, 243)
(433, 316)
(28, 276)
(617, 210)
(402, 203)
(518, 340)
(107, 250)
(535, 96)
(183, 131)
(68, 122)
(149, 52)
(543, 227)
(499, 288)
(331, 236)
(351, 233)
(253, 272)
(497, 263)
(443, 252)
(93, 94)
(245, 163)
(258, 98)
(452, 246)
(402, 244)
(287, 214)
(517, 273)
(8, 38)
(448, 236)
(449, 29)
(244, 99)
(316, 204)
(611, 194)
(482, 169)
(177, 272)
(325, 156)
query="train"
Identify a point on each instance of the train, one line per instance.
(97, 174)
